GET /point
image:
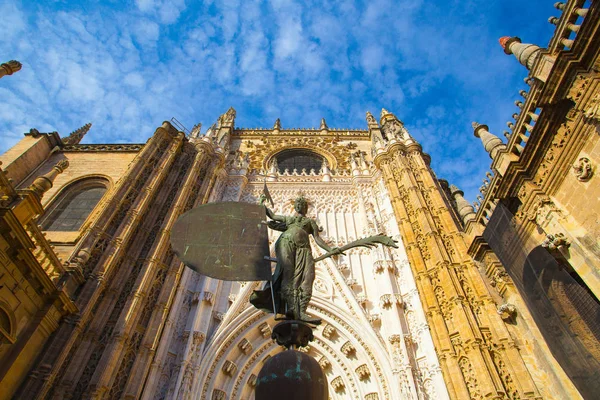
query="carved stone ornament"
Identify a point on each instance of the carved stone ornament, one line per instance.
(593, 109)
(371, 119)
(338, 384)
(583, 169)
(555, 242)
(363, 372)
(507, 311)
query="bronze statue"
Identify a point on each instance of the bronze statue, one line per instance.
(295, 271)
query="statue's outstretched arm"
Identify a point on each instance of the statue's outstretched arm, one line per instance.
(318, 239)
(273, 216)
(270, 214)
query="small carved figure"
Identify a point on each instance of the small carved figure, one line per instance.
(583, 169)
(507, 311)
(555, 242)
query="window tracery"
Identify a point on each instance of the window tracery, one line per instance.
(299, 160)
(70, 209)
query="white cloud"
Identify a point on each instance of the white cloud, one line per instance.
(134, 79)
(126, 70)
(289, 39)
(12, 22)
(146, 32)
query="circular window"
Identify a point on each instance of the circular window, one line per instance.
(298, 160)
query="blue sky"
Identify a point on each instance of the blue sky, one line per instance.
(128, 66)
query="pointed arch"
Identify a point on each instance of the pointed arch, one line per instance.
(74, 203)
(348, 349)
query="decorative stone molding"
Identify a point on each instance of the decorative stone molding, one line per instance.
(378, 266)
(252, 380)
(324, 363)
(351, 282)
(375, 317)
(386, 301)
(363, 372)
(395, 339)
(264, 360)
(338, 384)
(304, 349)
(593, 109)
(556, 242)
(583, 169)
(104, 147)
(507, 311)
(218, 315)
(232, 297)
(329, 331)
(198, 337)
(218, 394)
(245, 346)
(265, 330)
(229, 368)
(348, 349)
(362, 299)
(372, 396)
(208, 297)
(343, 267)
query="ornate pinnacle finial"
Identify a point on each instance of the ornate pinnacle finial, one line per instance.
(9, 68)
(78, 134)
(525, 53)
(371, 119)
(196, 130)
(465, 210)
(491, 142)
(384, 112)
(277, 125)
(228, 118)
(323, 124)
(43, 183)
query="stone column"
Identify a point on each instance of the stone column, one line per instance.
(96, 238)
(450, 288)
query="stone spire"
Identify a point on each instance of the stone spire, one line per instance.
(78, 134)
(323, 126)
(277, 125)
(385, 115)
(9, 68)
(43, 183)
(196, 130)
(371, 121)
(465, 210)
(227, 119)
(491, 142)
(525, 53)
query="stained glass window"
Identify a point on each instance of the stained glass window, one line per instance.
(299, 159)
(73, 209)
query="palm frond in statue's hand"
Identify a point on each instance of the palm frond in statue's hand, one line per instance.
(368, 242)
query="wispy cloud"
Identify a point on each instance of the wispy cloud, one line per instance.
(128, 66)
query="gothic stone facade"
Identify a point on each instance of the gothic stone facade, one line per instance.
(494, 302)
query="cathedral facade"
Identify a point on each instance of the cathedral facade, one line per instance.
(494, 300)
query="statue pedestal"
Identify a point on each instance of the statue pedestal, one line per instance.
(292, 333)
